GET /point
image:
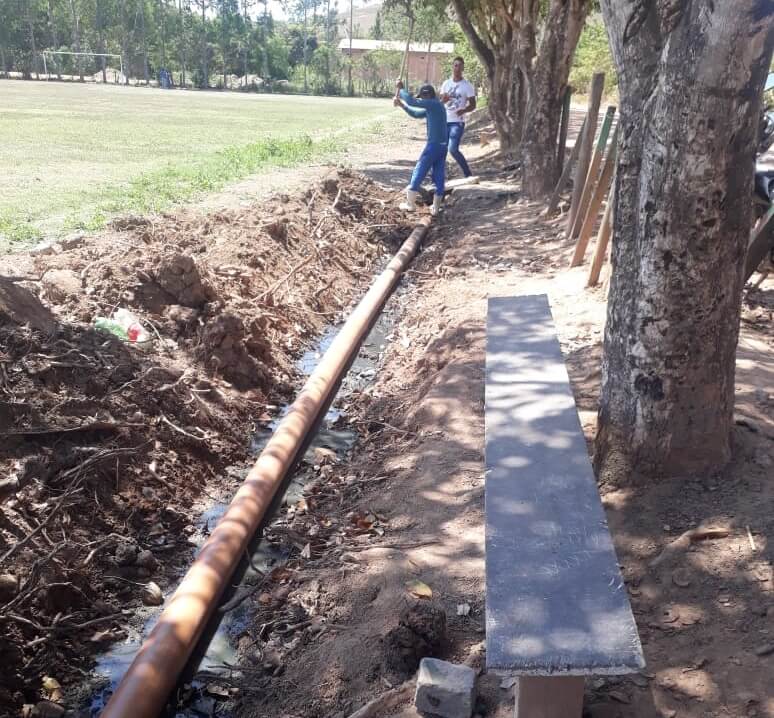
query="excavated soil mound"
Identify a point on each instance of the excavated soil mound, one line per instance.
(105, 445)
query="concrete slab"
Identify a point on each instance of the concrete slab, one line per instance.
(555, 599)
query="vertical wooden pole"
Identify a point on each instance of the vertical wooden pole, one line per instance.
(554, 201)
(595, 203)
(563, 126)
(603, 238)
(593, 172)
(587, 142)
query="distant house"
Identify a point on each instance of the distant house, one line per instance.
(425, 63)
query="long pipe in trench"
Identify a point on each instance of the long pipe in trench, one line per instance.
(147, 684)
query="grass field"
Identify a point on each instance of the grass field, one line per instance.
(73, 155)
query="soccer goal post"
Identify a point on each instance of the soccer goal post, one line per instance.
(53, 53)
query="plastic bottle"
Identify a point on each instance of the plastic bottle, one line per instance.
(112, 327)
(124, 325)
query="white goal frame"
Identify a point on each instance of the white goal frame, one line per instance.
(83, 54)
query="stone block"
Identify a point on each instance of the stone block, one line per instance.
(445, 689)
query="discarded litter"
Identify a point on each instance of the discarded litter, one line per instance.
(123, 324)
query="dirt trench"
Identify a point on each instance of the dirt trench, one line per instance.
(107, 445)
(396, 530)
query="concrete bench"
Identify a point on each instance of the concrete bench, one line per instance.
(556, 605)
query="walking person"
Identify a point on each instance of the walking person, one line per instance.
(433, 158)
(459, 96)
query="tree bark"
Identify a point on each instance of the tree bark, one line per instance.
(77, 37)
(31, 28)
(144, 38)
(547, 81)
(205, 66)
(691, 76)
(100, 23)
(507, 92)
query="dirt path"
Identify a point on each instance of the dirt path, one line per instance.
(411, 501)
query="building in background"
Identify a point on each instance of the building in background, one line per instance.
(425, 62)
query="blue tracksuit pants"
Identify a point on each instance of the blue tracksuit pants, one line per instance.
(455, 136)
(433, 158)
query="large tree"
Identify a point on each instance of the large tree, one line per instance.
(690, 81)
(489, 26)
(527, 48)
(546, 51)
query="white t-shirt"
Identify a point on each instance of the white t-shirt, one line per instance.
(459, 93)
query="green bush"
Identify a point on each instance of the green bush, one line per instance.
(593, 55)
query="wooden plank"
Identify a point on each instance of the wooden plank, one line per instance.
(553, 203)
(600, 192)
(592, 176)
(587, 143)
(564, 124)
(603, 239)
(761, 242)
(555, 599)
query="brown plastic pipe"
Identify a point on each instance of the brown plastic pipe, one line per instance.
(147, 684)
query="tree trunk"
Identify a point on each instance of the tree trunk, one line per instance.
(144, 38)
(306, 42)
(3, 66)
(54, 34)
(506, 81)
(547, 83)
(163, 13)
(507, 100)
(77, 37)
(183, 41)
(100, 23)
(691, 77)
(31, 28)
(205, 67)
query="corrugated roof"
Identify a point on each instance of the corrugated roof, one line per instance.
(441, 48)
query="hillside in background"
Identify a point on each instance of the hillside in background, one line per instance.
(363, 19)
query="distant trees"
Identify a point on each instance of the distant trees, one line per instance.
(203, 42)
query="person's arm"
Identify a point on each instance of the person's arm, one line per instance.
(469, 107)
(415, 112)
(414, 101)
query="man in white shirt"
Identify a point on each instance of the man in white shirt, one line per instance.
(459, 96)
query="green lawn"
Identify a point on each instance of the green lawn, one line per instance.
(72, 155)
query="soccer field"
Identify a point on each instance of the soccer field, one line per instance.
(71, 155)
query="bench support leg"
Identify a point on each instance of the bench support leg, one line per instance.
(549, 697)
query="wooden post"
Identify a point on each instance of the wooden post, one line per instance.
(554, 201)
(587, 141)
(603, 238)
(593, 172)
(597, 198)
(563, 126)
(761, 242)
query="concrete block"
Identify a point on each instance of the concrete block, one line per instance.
(445, 689)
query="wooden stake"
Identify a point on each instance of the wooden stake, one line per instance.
(600, 192)
(587, 142)
(592, 175)
(554, 201)
(563, 126)
(603, 238)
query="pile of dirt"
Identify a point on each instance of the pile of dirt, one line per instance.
(105, 444)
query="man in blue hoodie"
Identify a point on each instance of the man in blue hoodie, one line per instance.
(433, 157)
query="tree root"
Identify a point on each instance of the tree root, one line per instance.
(685, 540)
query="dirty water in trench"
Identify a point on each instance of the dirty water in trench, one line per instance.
(335, 434)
